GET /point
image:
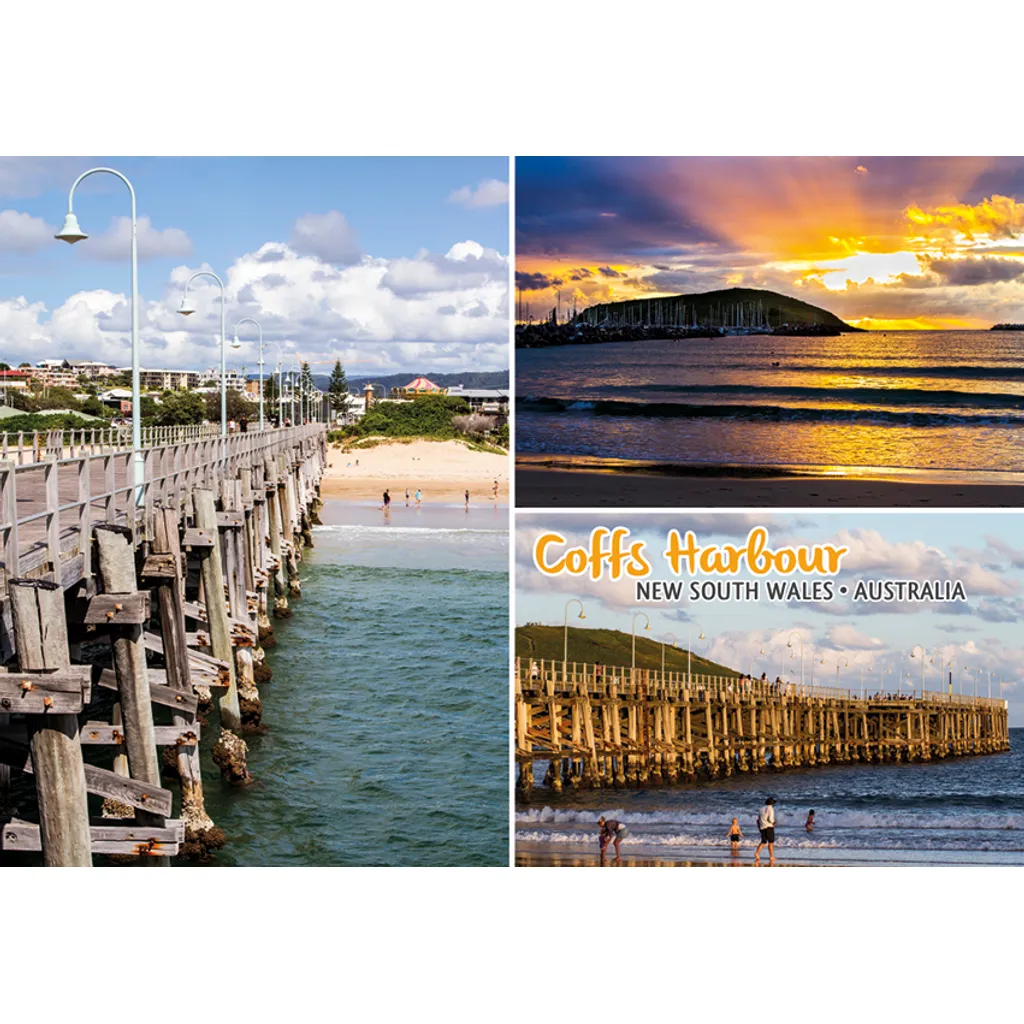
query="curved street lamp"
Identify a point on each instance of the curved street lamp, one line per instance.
(565, 643)
(70, 232)
(186, 310)
(258, 326)
(647, 628)
(789, 643)
(675, 643)
(280, 382)
(689, 645)
(924, 658)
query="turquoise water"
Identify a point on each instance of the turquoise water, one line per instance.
(388, 710)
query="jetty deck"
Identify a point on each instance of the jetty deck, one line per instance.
(619, 727)
(124, 609)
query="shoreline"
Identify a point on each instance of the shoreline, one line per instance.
(442, 470)
(616, 483)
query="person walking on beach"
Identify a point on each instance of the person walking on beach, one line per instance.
(809, 824)
(766, 826)
(407, 497)
(735, 835)
(467, 500)
(495, 488)
(418, 497)
(612, 831)
(386, 506)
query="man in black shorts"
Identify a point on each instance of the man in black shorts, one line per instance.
(766, 826)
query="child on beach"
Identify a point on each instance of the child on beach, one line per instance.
(735, 835)
(809, 824)
(612, 831)
(417, 497)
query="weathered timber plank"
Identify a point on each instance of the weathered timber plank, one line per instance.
(118, 609)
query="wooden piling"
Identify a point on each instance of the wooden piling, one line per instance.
(41, 636)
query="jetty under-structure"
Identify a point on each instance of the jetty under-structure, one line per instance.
(137, 589)
(604, 726)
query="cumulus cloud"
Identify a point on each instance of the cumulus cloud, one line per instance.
(996, 217)
(490, 192)
(328, 236)
(974, 270)
(21, 232)
(153, 243)
(309, 306)
(848, 637)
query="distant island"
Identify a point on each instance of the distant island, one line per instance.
(1007, 327)
(728, 311)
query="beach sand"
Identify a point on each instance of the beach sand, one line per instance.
(443, 470)
(568, 488)
(546, 859)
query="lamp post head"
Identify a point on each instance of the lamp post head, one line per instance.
(582, 616)
(236, 343)
(71, 232)
(185, 309)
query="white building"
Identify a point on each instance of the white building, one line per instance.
(485, 400)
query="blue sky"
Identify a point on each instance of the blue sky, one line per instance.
(982, 550)
(358, 245)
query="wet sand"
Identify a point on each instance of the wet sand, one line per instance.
(544, 859)
(572, 488)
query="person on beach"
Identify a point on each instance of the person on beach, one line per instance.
(766, 826)
(386, 506)
(407, 497)
(467, 501)
(809, 824)
(735, 835)
(612, 831)
(418, 497)
(495, 488)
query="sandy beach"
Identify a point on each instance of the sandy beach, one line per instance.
(569, 488)
(442, 470)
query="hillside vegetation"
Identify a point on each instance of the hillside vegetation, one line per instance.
(610, 647)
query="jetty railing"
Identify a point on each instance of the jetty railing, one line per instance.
(578, 677)
(159, 592)
(34, 445)
(616, 726)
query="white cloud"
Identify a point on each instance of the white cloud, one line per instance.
(115, 243)
(305, 304)
(848, 637)
(489, 192)
(21, 232)
(328, 236)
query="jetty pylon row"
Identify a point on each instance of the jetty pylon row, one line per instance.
(134, 617)
(602, 726)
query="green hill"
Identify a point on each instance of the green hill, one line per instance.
(610, 647)
(718, 308)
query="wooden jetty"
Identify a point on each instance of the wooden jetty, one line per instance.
(621, 727)
(124, 609)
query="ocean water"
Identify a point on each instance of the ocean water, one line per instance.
(388, 709)
(915, 400)
(968, 811)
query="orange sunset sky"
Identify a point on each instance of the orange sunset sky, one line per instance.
(882, 242)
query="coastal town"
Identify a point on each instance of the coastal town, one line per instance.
(93, 391)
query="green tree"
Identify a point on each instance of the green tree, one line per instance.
(337, 390)
(237, 406)
(4, 366)
(306, 389)
(180, 409)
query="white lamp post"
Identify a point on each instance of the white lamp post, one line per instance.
(565, 642)
(648, 628)
(689, 645)
(256, 323)
(924, 655)
(187, 310)
(675, 643)
(70, 232)
(280, 383)
(789, 643)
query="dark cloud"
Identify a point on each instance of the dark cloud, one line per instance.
(611, 206)
(534, 282)
(974, 270)
(609, 272)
